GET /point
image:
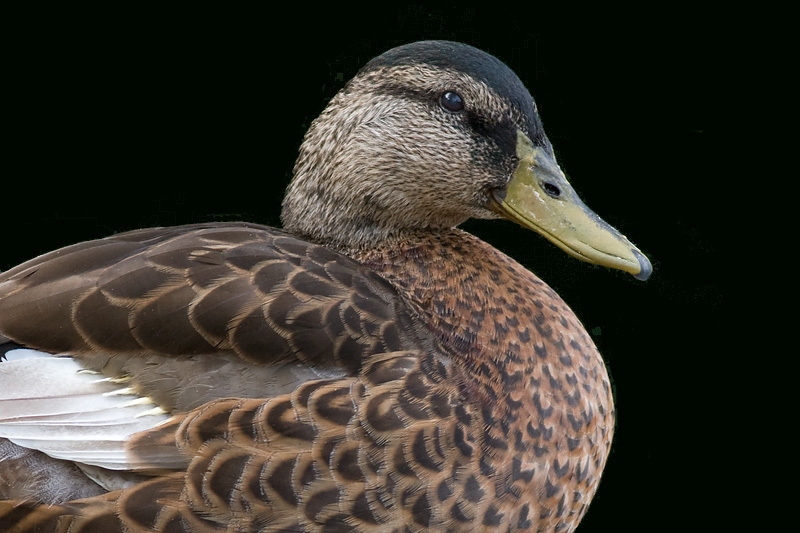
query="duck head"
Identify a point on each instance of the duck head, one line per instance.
(426, 136)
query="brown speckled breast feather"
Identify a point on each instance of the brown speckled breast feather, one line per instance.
(530, 368)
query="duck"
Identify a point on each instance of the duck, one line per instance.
(369, 366)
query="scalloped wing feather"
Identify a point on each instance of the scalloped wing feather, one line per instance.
(176, 317)
(252, 295)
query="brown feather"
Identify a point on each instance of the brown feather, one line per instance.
(162, 302)
(451, 438)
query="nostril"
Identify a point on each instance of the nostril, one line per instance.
(551, 189)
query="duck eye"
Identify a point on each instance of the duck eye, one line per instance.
(452, 102)
(551, 190)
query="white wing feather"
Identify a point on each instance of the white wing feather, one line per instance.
(49, 403)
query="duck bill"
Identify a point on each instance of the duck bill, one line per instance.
(540, 198)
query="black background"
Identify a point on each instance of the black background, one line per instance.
(120, 120)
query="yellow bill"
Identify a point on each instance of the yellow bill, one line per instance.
(540, 198)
